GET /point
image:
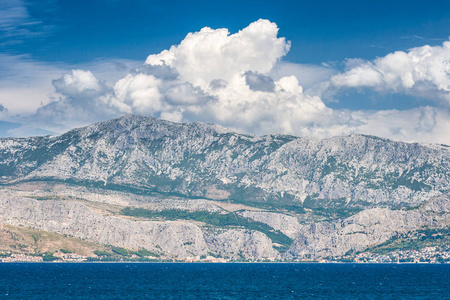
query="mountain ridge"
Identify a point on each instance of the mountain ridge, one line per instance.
(207, 160)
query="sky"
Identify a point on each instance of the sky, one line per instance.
(305, 68)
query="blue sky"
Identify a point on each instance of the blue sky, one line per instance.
(320, 31)
(325, 45)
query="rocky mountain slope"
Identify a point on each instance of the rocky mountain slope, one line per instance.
(102, 220)
(197, 190)
(203, 160)
(367, 229)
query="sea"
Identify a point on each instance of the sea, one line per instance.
(223, 281)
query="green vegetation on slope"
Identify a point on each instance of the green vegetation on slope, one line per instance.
(48, 256)
(215, 219)
(416, 240)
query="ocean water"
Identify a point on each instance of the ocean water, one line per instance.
(223, 281)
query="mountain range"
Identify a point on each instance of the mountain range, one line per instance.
(197, 189)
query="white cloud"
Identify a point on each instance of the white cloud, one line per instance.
(424, 124)
(78, 82)
(216, 76)
(13, 13)
(306, 74)
(79, 99)
(211, 54)
(25, 84)
(109, 70)
(422, 71)
(138, 94)
(238, 81)
(17, 25)
(28, 91)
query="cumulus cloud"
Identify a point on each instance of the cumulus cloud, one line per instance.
(78, 83)
(215, 54)
(25, 84)
(211, 76)
(422, 71)
(79, 99)
(30, 94)
(308, 75)
(138, 93)
(239, 81)
(215, 76)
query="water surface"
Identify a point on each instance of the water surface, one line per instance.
(223, 281)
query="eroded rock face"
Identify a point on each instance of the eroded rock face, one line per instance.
(286, 224)
(239, 243)
(439, 204)
(180, 239)
(203, 160)
(365, 229)
(171, 238)
(76, 219)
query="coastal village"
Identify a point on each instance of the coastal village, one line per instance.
(14, 257)
(425, 255)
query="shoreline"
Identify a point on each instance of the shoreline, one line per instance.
(230, 262)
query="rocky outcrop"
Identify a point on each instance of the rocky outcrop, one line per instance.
(288, 225)
(365, 229)
(241, 244)
(439, 204)
(169, 238)
(179, 239)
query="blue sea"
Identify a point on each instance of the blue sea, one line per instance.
(223, 281)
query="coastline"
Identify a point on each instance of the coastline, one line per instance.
(229, 262)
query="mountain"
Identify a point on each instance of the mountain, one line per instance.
(208, 161)
(198, 189)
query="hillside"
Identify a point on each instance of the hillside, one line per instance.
(199, 190)
(194, 160)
